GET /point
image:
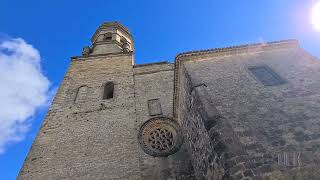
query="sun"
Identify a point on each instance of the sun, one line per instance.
(315, 17)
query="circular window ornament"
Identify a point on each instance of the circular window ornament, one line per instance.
(160, 137)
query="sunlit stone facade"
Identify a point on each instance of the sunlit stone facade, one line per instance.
(242, 112)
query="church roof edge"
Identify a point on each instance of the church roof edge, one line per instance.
(241, 48)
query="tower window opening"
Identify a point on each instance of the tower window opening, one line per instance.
(107, 37)
(108, 90)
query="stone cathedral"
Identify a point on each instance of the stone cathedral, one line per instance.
(242, 112)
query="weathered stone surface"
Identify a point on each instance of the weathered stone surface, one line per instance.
(274, 127)
(233, 125)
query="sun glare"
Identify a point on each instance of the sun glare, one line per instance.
(316, 16)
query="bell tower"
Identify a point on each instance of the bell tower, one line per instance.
(110, 37)
(89, 131)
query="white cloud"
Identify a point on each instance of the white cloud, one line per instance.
(23, 89)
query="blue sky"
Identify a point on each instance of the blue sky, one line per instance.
(161, 29)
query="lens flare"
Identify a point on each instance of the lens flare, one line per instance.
(316, 16)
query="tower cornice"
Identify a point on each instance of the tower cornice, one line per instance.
(106, 55)
(107, 25)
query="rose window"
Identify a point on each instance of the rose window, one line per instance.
(160, 137)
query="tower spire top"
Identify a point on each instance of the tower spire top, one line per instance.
(110, 37)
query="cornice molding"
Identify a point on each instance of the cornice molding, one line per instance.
(95, 56)
(112, 25)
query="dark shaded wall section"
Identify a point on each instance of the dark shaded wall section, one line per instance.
(216, 150)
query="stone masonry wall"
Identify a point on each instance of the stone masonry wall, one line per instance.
(277, 126)
(216, 150)
(155, 81)
(234, 126)
(93, 138)
(195, 135)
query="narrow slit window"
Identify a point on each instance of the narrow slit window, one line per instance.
(108, 90)
(266, 76)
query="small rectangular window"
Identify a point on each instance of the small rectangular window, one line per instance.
(108, 90)
(154, 107)
(81, 94)
(266, 76)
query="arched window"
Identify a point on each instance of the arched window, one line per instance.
(108, 90)
(81, 94)
(107, 37)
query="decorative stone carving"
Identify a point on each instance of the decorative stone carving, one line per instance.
(86, 51)
(160, 137)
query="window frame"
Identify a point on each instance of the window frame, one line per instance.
(78, 99)
(277, 79)
(105, 96)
